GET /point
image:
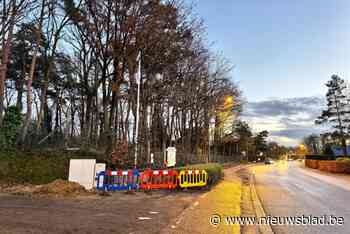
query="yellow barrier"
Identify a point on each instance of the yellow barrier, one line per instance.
(193, 178)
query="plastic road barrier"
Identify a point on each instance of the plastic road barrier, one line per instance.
(118, 180)
(193, 178)
(158, 179)
(100, 177)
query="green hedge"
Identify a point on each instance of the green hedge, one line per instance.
(42, 167)
(320, 157)
(343, 160)
(214, 170)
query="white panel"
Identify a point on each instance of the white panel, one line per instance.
(82, 171)
(99, 167)
(171, 156)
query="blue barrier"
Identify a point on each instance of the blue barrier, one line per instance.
(118, 180)
(100, 178)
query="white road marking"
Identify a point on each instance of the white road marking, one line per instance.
(144, 218)
(153, 212)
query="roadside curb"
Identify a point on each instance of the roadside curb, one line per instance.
(259, 210)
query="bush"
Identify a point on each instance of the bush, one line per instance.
(327, 149)
(17, 167)
(214, 170)
(11, 124)
(343, 160)
(320, 157)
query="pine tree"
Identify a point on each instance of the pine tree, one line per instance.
(260, 141)
(337, 112)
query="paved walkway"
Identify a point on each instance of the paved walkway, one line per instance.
(223, 199)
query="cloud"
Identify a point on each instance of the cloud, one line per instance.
(287, 120)
(286, 107)
(296, 133)
(284, 140)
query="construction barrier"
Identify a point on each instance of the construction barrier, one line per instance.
(193, 178)
(118, 180)
(100, 177)
(158, 179)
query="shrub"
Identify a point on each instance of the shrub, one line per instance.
(214, 170)
(320, 157)
(11, 123)
(17, 167)
(327, 149)
(343, 159)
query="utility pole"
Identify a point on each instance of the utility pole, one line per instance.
(148, 134)
(138, 81)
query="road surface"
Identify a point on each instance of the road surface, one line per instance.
(119, 213)
(287, 189)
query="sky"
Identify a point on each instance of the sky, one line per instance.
(283, 52)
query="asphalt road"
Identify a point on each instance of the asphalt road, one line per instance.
(285, 189)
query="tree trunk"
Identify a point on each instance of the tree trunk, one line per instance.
(31, 74)
(29, 97)
(43, 96)
(19, 103)
(6, 50)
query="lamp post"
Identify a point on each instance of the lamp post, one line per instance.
(138, 81)
(211, 136)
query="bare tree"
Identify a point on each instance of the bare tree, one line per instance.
(11, 12)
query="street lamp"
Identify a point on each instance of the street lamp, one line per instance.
(228, 101)
(138, 81)
(211, 135)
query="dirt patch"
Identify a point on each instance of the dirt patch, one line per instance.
(57, 188)
(18, 189)
(61, 188)
(119, 212)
